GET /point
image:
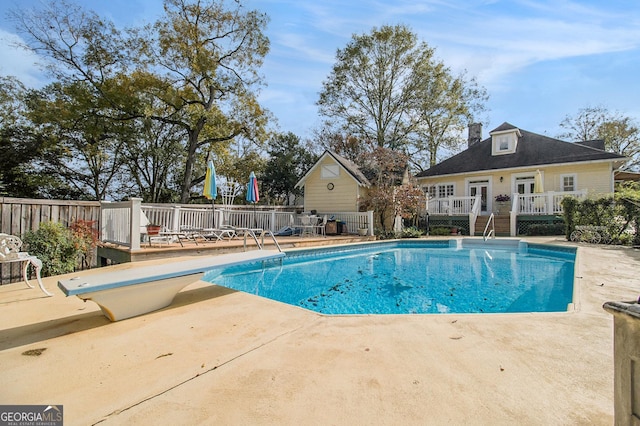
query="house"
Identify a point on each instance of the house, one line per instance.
(534, 171)
(333, 183)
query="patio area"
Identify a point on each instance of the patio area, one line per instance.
(217, 356)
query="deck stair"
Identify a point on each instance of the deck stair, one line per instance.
(502, 225)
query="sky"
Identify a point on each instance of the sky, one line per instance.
(539, 60)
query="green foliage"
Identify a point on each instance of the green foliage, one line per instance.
(546, 229)
(411, 232)
(388, 88)
(440, 231)
(56, 246)
(620, 215)
(288, 161)
(383, 234)
(194, 70)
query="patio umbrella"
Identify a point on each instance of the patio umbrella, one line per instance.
(538, 188)
(252, 194)
(210, 191)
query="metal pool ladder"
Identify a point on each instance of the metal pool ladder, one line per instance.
(261, 243)
(489, 233)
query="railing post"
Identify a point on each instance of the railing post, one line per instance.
(370, 222)
(134, 231)
(550, 205)
(513, 214)
(273, 221)
(175, 220)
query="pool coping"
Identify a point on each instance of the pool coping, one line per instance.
(223, 357)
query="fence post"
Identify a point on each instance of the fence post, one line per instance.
(175, 220)
(273, 221)
(134, 232)
(370, 222)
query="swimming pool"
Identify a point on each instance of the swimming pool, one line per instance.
(413, 277)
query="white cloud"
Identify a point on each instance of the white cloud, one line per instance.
(24, 65)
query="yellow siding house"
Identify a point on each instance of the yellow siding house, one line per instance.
(333, 184)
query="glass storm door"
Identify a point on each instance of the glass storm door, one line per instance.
(524, 185)
(480, 188)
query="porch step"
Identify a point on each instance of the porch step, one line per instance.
(502, 224)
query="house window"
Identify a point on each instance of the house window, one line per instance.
(441, 190)
(504, 143)
(568, 182)
(445, 190)
(430, 191)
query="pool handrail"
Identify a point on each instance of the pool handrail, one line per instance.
(492, 231)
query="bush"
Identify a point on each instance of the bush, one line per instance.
(56, 246)
(546, 229)
(411, 232)
(440, 231)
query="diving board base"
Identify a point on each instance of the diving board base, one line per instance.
(129, 301)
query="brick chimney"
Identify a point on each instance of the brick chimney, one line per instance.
(475, 133)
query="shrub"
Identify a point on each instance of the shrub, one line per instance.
(440, 231)
(546, 229)
(56, 246)
(87, 237)
(411, 232)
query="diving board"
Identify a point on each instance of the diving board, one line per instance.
(127, 293)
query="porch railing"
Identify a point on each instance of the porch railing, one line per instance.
(451, 206)
(547, 203)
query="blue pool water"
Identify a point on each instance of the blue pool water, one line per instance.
(412, 277)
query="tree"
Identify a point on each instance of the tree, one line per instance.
(392, 193)
(389, 89)
(288, 162)
(195, 68)
(206, 56)
(22, 147)
(620, 134)
(91, 146)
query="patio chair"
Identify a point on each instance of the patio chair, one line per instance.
(308, 227)
(320, 227)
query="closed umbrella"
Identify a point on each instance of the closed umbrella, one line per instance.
(538, 188)
(252, 195)
(210, 191)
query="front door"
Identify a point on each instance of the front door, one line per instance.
(480, 188)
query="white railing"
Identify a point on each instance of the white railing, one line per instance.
(451, 205)
(473, 215)
(489, 232)
(120, 222)
(546, 203)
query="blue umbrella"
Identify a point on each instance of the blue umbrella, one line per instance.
(210, 191)
(252, 194)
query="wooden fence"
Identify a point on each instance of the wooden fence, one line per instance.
(20, 215)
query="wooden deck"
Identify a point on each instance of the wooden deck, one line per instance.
(110, 254)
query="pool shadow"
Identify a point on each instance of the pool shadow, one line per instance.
(50, 329)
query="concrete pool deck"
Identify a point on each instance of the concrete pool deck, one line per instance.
(216, 356)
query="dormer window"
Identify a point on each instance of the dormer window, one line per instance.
(504, 142)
